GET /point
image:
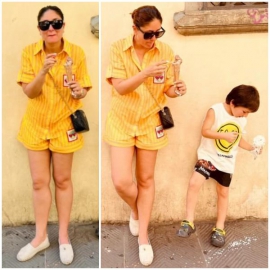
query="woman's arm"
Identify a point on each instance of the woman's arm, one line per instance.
(33, 89)
(125, 86)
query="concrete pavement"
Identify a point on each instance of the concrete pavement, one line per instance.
(246, 246)
(82, 236)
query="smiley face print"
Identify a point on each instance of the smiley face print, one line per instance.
(223, 145)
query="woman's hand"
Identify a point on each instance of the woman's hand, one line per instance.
(76, 90)
(155, 69)
(49, 62)
(180, 87)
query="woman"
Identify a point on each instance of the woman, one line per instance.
(46, 129)
(140, 75)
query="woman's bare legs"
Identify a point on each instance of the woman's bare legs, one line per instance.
(121, 169)
(145, 167)
(62, 165)
(195, 183)
(140, 198)
(39, 162)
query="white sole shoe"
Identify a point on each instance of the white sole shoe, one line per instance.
(66, 253)
(28, 251)
(133, 226)
(146, 254)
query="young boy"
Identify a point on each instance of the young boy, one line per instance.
(221, 135)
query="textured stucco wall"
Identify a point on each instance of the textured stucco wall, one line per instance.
(19, 21)
(212, 66)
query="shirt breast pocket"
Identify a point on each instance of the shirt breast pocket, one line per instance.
(160, 79)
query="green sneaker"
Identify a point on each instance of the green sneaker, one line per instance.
(218, 237)
(186, 229)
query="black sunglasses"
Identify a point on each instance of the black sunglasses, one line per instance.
(45, 25)
(149, 35)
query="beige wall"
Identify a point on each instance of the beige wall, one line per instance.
(19, 30)
(212, 66)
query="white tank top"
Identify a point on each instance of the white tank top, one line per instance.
(221, 153)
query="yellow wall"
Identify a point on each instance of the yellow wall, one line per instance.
(19, 30)
(212, 66)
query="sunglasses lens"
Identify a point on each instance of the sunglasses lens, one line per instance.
(44, 25)
(148, 35)
(57, 24)
(159, 34)
(156, 34)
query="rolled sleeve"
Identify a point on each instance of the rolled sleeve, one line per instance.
(26, 73)
(84, 79)
(116, 68)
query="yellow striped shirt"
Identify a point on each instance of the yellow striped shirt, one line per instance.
(45, 112)
(128, 110)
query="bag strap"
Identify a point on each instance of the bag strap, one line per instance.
(62, 97)
(162, 109)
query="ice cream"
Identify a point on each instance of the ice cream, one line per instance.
(176, 70)
(258, 143)
(68, 68)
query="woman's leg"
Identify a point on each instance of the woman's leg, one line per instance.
(145, 167)
(121, 169)
(39, 162)
(195, 183)
(62, 165)
(222, 205)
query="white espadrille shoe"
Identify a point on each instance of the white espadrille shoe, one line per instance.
(66, 253)
(133, 226)
(28, 251)
(146, 253)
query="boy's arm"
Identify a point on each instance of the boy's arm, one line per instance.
(211, 134)
(245, 145)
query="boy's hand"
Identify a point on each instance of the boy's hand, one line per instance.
(230, 136)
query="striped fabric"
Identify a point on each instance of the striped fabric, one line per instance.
(135, 114)
(47, 116)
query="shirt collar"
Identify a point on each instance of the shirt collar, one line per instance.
(39, 47)
(128, 43)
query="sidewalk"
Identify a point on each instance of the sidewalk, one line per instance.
(84, 241)
(246, 246)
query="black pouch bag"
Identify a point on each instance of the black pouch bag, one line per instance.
(166, 118)
(79, 121)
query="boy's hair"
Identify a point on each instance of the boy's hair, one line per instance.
(246, 96)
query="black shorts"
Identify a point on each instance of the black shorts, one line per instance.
(207, 169)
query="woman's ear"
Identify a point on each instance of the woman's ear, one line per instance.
(134, 29)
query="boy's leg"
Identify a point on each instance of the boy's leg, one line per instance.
(187, 227)
(195, 183)
(222, 205)
(218, 233)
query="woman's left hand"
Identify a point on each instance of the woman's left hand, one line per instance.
(180, 87)
(77, 91)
